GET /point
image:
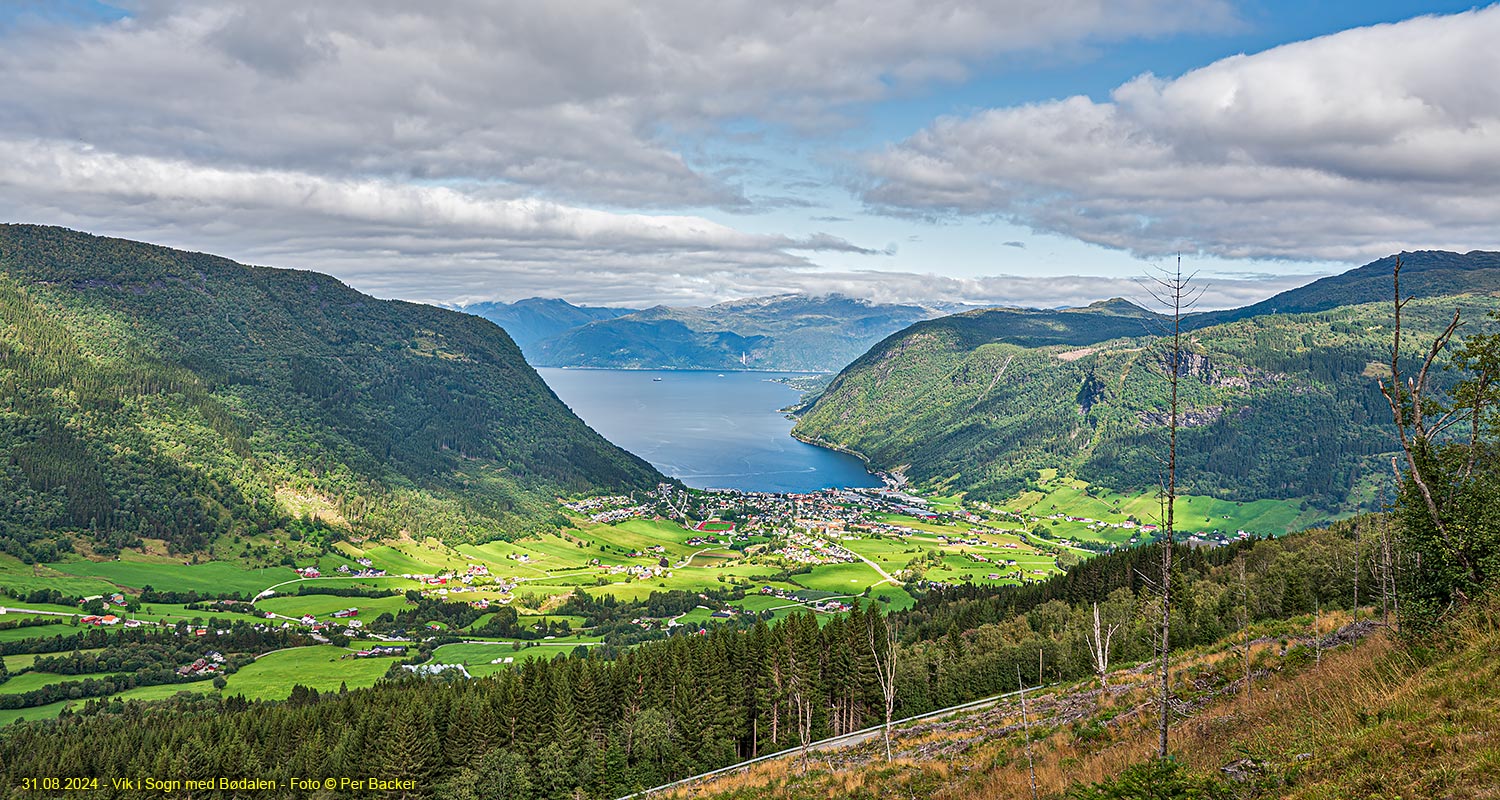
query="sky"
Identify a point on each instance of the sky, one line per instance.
(1011, 152)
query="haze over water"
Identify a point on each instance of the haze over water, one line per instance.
(710, 430)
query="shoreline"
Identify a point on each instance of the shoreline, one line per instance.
(886, 477)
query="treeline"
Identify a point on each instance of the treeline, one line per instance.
(344, 591)
(95, 687)
(153, 595)
(125, 657)
(240, 637)
(131, 659)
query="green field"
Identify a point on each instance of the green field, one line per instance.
(1194, 513)
(322, 605)
(18, 579)
(212, 577)
(38, 632)
(321, 667)
(23, 661)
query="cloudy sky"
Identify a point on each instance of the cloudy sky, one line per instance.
(1033, 152)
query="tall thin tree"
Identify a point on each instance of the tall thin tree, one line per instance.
(1176, 293)
(883, 649)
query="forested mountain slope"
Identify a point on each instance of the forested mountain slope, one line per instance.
(1275, 406)
(154, 393)
(785, 332)
(1424, 273)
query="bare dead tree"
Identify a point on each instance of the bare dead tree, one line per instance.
(1175, 292)
(884, 653)
(1026, 732)
(1410, 405)
(800, 695)
(1318, 634)
(1245, 624)
(1354, 565)
(1098, 645)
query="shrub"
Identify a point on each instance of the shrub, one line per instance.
(1155, 780)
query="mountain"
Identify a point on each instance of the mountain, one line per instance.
(1278, 405)
(532, 320)
(156, 394)
(1424, 273)
(783, 332)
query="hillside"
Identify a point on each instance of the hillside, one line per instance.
(1425, 273)
(535, 319)
(157, 394)
(785, 332)
(1276, 406)
(1335, 711)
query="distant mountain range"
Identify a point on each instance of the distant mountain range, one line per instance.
(1281, 399)
(783, 332)
(154, 394)
(535, 320)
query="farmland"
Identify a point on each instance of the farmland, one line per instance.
(820, 553)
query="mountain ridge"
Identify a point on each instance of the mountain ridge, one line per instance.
(779, 332)
(155, 393)
(1277, 404)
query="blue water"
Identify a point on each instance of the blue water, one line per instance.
(710, 430)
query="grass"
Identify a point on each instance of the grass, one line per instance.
(18, 579)
(23, 661)
(1195, 513)
(1373, 720)
(212, 577)
(37, 632)
(321, 667)
(49, 711)
(322, 605)
(27, 681)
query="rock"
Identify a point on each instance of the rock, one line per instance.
(1242, 770)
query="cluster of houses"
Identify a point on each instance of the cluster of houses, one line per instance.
(381, 650)
(367, 572)
(639, 571)
(804, 549)
(211, 663)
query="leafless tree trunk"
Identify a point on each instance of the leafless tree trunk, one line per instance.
(1354, 566)
(1175, 292)
(1245, 624)
(798, 694)
(885, 670)
(1318, 635)
(1413, 429)
(1099, 646)
(1026, 732)
(1390, 600)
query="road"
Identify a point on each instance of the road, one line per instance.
(10, 609)
(832, 743)
(876, 567)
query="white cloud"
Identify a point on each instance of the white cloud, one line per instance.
(470, 148)
(1346, 147)
(579, 100)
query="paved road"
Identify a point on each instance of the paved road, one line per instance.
(877, 568)
(12, 610)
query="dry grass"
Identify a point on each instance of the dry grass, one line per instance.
(1373, 720)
